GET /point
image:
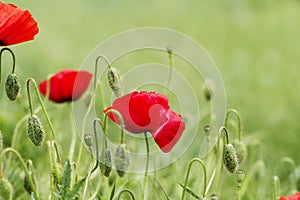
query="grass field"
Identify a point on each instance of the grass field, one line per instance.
(254, 44)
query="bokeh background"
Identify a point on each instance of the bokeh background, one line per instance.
(254, 43)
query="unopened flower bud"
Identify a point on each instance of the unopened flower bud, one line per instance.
(12, 86)
(115, 81)
(240, 176)
(26, 185)
(88, 139)
(35, 131)
(214, 197)
(6, 189)
(241, 151)
(111, 179)
(208, 88)
(230, 158)
(207, 129)
(105, 162)
(121, 160)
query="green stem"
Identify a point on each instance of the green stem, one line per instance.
(238, 192)
(13, 57)
(276, 187)
(23, 165)
(73, 141)
(169, 50)
(44, 112)
(127, 191)
(238, 116)
(147, 166)
(198, 160)
(120, 119)
(96, 141)
(50, 154)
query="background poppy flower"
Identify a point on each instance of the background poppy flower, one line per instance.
(293, 197)
(66, 85)
(16, 25)
(149, 111)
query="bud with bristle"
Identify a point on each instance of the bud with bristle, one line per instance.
(121, 160)
(230, 158)
(35, 131)
(115, 81)
(105, 162)
(6, 189)
(88, 139)
(12, 86)
(241, 151)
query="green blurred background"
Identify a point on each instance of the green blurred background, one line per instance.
(254, 43)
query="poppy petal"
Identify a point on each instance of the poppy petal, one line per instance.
(293, 197)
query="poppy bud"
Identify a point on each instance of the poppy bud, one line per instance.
(26, 185)
(88, 139)
(241, 151)
(12, 86)
(6, 189)
(121, 160)
(115, 81)
(105, 162)
(208, 89)
(230, 158)
(240, 176)
(214, 197)
(111, 179)
(35, 131)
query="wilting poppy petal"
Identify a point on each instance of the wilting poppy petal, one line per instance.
(293, 197)
(66, 85)
(141, 111)
(170, 132)
(16, 25)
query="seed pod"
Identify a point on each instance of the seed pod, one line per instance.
(241, 151)
(105, 162)
(115, 81)
(121, 160)
(6, 189)
(230, 158)
(35, 131)
(12, 86)
(88, 139)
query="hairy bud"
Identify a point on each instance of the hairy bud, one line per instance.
(105, 162)
(121, 160)
(35, 131)
(230, 158)
(240, 176)
(6, 189)
(115, 81)
(12, 86)
(241, 151)
(88, 139)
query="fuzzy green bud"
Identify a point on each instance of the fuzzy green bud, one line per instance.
(122, 160)
(12, 86)
(88, 139)
(105, 162)
(6, 189)
(230, 158)
(115, 81)
(35, 130)
(27, 186)
(241, 151)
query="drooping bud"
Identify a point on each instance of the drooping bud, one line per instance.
(230, 158)
(214, 197)
(88, 139)
(105, 162)
(115, 81)
(26, 183)
(122, 160)
(6, 189)
(240, 176)
(35, 131)
(241, 151)
(12, 86)
(208, 88)
(111, 179)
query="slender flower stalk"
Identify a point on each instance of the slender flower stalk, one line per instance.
(31, 80)
(13, 60)
(128, 192)
(170, 59)
(23, 165)
(276, 187)
(51, 157)
(236, 113)
(147, 165)
(198, 160)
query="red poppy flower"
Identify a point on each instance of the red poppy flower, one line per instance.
(16, 25)
(66, 85)
(149, 111)
(293, 197)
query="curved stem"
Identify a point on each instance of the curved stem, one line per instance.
(11, 150)
(31, 80)
(276, 187)
(13, 57)
(127, 191)
(96, 141)
(96, 68)
(188, 174)
(223, 129)
(147, 166)
(169, 50)
(238, 116)
(120, 119)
